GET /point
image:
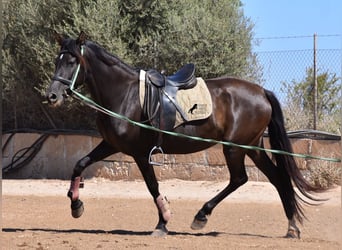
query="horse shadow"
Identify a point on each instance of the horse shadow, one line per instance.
(124, 232)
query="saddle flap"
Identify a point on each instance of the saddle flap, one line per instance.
(156, 78)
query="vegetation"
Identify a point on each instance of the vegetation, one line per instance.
(299, 107)
(325, 174)
(163, 34)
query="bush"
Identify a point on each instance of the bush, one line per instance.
(325, 174)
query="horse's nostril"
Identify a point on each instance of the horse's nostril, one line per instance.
(52, 98)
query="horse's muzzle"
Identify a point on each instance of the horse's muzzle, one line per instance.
(52, 98)
(55, 100)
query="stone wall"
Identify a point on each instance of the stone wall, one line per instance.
(59, 154)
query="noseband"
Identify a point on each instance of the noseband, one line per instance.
(67, 82)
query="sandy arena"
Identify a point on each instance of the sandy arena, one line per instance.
(122, 215)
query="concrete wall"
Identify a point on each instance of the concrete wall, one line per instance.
(59, 154)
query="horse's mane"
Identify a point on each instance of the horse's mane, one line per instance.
(72, 47)
(108, 58)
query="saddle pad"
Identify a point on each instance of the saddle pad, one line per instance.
(196, 102)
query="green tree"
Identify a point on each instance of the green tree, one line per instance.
(29, 51)
(25, 52)
(163, 34)
(143, 25)
(299, 106)
(214, 35)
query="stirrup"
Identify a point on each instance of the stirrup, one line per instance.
(158, 149)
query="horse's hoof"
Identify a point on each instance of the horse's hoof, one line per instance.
(159, 233)
(198, 224)
(77, 208)
(293, 234)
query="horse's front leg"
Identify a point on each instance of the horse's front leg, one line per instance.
(100, 152)
(161, 202)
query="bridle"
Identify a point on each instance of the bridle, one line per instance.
(70, 83)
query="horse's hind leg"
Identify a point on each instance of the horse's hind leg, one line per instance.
(161, 202)
(282, 182)
(235, 161)
(100, 152)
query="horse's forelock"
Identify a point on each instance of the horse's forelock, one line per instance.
(71, 46)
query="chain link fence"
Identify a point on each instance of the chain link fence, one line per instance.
(291, 67)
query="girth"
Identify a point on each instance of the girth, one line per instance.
(160, 105)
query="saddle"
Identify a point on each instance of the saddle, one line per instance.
(160, 104)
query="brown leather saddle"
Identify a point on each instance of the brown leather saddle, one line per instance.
(160, 104)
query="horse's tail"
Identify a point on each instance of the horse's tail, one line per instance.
(280, 141)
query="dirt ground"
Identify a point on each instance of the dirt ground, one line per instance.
(121, 215)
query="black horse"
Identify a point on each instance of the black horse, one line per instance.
(241, 112)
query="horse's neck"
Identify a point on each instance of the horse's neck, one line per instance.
(109, 84)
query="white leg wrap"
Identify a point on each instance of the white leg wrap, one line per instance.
(163, 206)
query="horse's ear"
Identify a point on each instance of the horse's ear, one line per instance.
(81, 38)
(58, 37)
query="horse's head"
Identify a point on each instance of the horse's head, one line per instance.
(67, 69)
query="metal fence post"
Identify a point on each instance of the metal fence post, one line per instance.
(315, 87)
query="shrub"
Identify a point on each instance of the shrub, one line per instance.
(325, 174)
